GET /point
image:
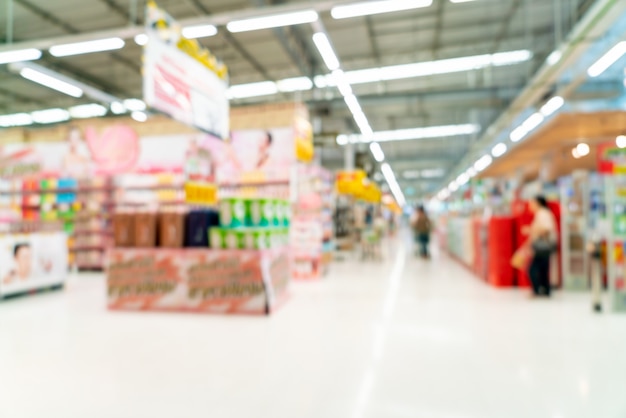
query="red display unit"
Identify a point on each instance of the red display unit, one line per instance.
(500, 250)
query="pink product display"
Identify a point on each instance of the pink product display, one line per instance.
(197, 280)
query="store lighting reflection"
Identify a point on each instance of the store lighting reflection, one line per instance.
(620, 141)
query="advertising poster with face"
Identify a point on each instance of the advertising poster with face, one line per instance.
(32, 261)
(260, 155)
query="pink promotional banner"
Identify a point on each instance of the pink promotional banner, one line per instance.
(210, 281)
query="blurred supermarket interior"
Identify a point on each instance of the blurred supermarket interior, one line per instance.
(299, 208)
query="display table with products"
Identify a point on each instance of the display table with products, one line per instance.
(197, 280)
(32, 262)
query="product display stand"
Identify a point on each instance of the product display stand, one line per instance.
(197, 280)
(616, 243)
(575, 212)
(312, 227)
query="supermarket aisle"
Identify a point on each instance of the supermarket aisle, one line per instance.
(403, 338)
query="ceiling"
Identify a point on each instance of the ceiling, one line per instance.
(443, 30)
(550, 148)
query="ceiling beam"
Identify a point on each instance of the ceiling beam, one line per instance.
(118, 9)
(371, 35)
(506, 23)
(438, 29)
(233, 42)
(293, 42)
(128, 32)
(49, 17)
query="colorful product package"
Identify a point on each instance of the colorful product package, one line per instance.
(197, 224)
(124, 229)
(145, 229)
(171, 229)
(233, 212)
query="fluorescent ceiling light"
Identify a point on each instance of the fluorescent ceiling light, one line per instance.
(139, 116)
(87, 47)
(393, 184)
(360, 119)
(462, 179)
(92, 110)
(243, 91)
(484, 162)
(134, 104)
(50, 115)
(273, 21)
(432, 173)
(418, 133)
(620, 141)
(326, 51)
(340, 81)
(289, 85)
(376, 7)
(20, 55)
(471, 172)
(118, 108)
(141, 39)
(554, 57)
(16, 119)
(430, 68)
(607, 60)
(499, 150)
(453, 186)
(525, 128)
(199, 31)
(51, 82)
(377, 152)
(411, 174)
(552, 106)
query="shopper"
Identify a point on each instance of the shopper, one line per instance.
(422, 226)
(542, 239)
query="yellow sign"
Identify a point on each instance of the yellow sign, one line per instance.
(201, 194)
(356, 183)
(304, 140)
(171, 31)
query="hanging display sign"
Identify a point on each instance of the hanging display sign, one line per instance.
(349, 182)
(304, 140)
(356, 183)
(183, 79)
(32, 261)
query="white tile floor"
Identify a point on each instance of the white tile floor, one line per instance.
(403, 338)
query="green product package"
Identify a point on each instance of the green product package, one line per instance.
(286, 212)
(254, 210)
(233, 213)
(279, 213)
(216, 238)
(268, 212)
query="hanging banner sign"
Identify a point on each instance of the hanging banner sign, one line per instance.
(182, 79)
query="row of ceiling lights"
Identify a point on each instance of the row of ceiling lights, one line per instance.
(242, 25)
(337, 77)
(536, 119)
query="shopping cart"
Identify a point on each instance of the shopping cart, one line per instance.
(371, 244)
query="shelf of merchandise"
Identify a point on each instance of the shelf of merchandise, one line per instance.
(85, 208)
(312, 226)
